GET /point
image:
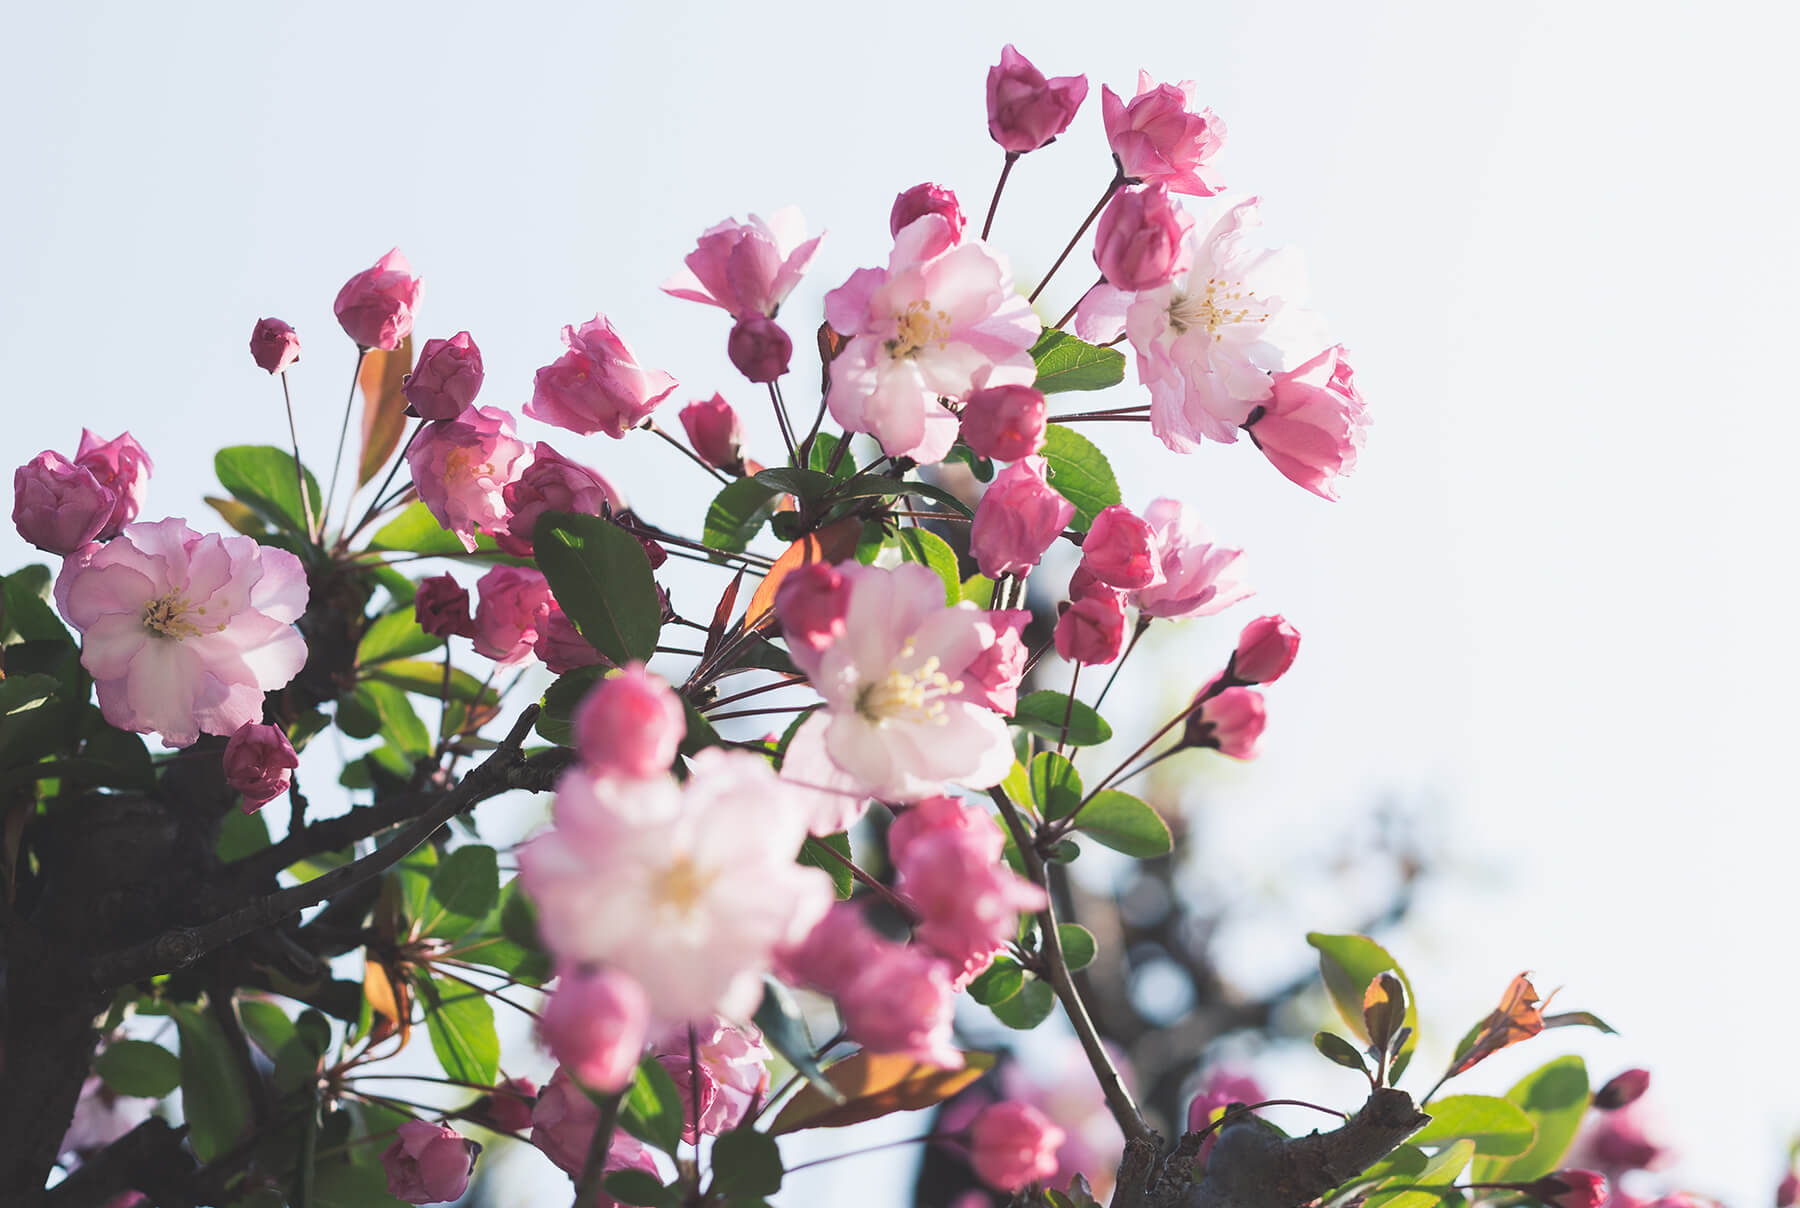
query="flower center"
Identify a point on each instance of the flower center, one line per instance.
(915, 696)
(461, 466)
(1220, 303)
(168, 617)
(919, 325)
(682, 885)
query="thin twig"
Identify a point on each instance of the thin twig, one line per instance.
(1012, 157)
(343, 432)
(1117, 180)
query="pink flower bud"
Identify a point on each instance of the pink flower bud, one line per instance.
(1017, 519)
(375, 307)
(512, 602)
(993, 678)
(1158, 139)
(1092, 629)
(1120, 550)
(833, 954)
(1005, 423)
(122, 467)
(1141, 238)
(1622, 1090)
(429, 1163)
(811, 604)
(441, 605)
(759, 348)
(1231, 722)
(924, 199)
(552, 483)
(446, 379)
(631, 724)
(597, 385)
(1013, 1145)
(1787, 1192)
(1571, 1189)
(1265, 651)
(59, 506)
(257, 761)
(596, 1024)
(1025, 110)
(1311, 426)
(507, 1109)
(698, 1089)
(562, 1126)
(274, 345)
(713, 429)
(1084, 583)
(560, 646)
(902, 1001)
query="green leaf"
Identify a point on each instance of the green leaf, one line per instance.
(507, 939)
(879, 486)
(1125, 823)
(1042, 714)
(601, 577)
(397, 721)
(1440, 1170)
(811, 855)
(425, 678)
(1555, 1097)
(1080, 473)
(1348, 963)
(1066, 363)
(978, 590)
(394, 635)
(1055, 785)
(784, 1030)
(416, 531)
(412, 880)
(213, 1094)
(1336, 1048)
(241, 834)
(461, 1024)
(26, 614)
(1028, 1008)
(636, 1187)
(929, 549)
(263, 477)
(738, 513)
(1497, 1126)
(1579, 1019)
(561, 699)
(350, 1184)
(267, 1025)
(819, 457)
(465, 888)
(1077, 944)
(998, 982)
(137, 1067)
(23, 693)
(746, 1162)
(805, 485)
(651, 1110)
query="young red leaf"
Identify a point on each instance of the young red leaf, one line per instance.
(1516, 1018)
(384, 407)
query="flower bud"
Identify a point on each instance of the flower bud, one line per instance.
(1012, 1145)
(1092, 629)
(506, 1109)
(122, 467)
(923, 199)
(442, 607)
(1017, 519)
(274, 345)
(811, 604)
(446, 379)
(511, 602)
(59, 506)
(1025, 110)
(1120, 550)
(552, 483)
(560, 646)
(428, 1163)
(1787, 1192)
(596, 1024)
(1311, 427)
(375, 307)
(1005, 423)
(1265, 651)
(1157, 137)
(759, 348)
(1571, 1189)
(1230, 723)
(1622, 1090)
(1140, 240)
(712, 428)
(257, 761)
(631, 724)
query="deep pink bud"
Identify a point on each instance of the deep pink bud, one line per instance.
(1140, 239)
(834, 953)
(596, 1024)
(631, 724)
(1120, 550)
(597, 385)
(122, 467)
(506, 1109)
(1025, 110)
(696, 1086)
(511, 602)
(811, 603)
(924, 199)
(1787, 1192)
(59, 506)
(1092, 629)
(1017, 519)
(1231, 722)
(375, 307)
(1012, 1145)
(560, 646)
(257, 761)
(1265, 651)
(902, 1001)
(442, 607)
(1083, 583)
(1622, 1090)
(759, 348)
(274, 345)
(712, 428)
(551, 483)
(429, 1163)
(1158, 138)
(1005, 423)
(446, 379)
(1571, 1189)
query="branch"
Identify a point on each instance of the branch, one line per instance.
(179, 947)
(149, 1158)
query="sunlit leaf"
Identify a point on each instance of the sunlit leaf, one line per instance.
(1497, 1126)
(1066, 363)
(1042, 713)
(384, 407)
(1516, 1018)
(1079, 472)
(1028, 1008)
(1348, 963)
(1555, 1097)
(460, 1022)
(832, 544)
(927, 548)
(602, 579)
(394, 635)
(877, 1084)
(1125, 823)
(784, 1030)
(263, 477)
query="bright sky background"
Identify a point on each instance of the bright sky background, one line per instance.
(1558, 239)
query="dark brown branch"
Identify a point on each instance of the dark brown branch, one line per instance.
(150, 1158)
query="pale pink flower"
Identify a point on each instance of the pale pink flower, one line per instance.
(1159, 139)
(1091, 630)
(630, 724)
(184, 632)
(939, 321)
(597, 385)
(511, 602)
(1020, 515)
(902, 1002)
(274, 345)
(993, 678)
(689, 888)
(894, 719)
(1120, 550)
(712, 428)
(59, 506)
(1231, 722)
(257, 762)
(1141, 239)
(596, 1024)
(923, 199)
(1059, 1082)
(834, 952)
(1312, 424)
(1265, 650)
(560, 646)
(102, 1116)
(1026, 110)
(428, 1163)
(446, 379)
(562, 1127)
(1013, 1145)
(376, 307)
(733, 1070)
(1199, 576)
(747, 267)
(1005, 423)
(551, 483)
(122, 467)
(460, 468)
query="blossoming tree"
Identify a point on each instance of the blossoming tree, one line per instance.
(707, 889)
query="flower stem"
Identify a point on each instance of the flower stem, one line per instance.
(781, 421)
(343, 432)
(650, 426)
(1117, 180)
(598, 1147)
(1142, 624)
(1012, 157)
(380, 504)
(1062, 736)
(299, 473)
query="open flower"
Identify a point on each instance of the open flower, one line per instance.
(376, 307)
(597, 385)
(1159, 139)
(1311, 427)
(461, 467)
(1200, 577)
(747, 267)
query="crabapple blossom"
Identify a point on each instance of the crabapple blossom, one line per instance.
(551, 483)
(1091, 630)
(1312, 424)
(993, 678)
(1622, 1090)
(274, 345)
(1120, 550)
(441, 605)
(1026, 110)
(59, 506)
(560, 646)
(733, 1072)
(597, 385)
(811, 604)
(1141, 239)
(428, 1163)
(1571, 1189)
(712, 428)
(1787, 1192)
(747, 267)
(630, 724)
(1012, 1145)
(1019, 516)
(1059, 1082)
(507, 1108)
(460, 468)
(596, 1024)
(940, 321)
(1219, 1091)
(375, 307)
(446, 379)
(511, 602)
(257, 761)
(968, 901)
(1199, 576)
(1265, 650)
(923, 199)
(102, 1116)
(182, 631)
(122, 467)
(759, 348)
(834, 952)
(902, 1001)
(1230, 722)
(562, 1126)
(1159, 139)
(1005, 423)
(1084, 583)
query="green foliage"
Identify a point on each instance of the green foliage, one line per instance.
(1440, 1170)
(1066, 363)
(240, 834)
(746, 1162)
(651, 1110)
(263, 477)
(1055, 785)
(416, 531)
(556, 723)
(1348, 963)
(1080, 473)
(1554, 1097)
(602, 578)
(1042, 713)
(214, 1096)
(394, 635)
(1335, 1048)
(1496, 1126)
(879, 486)
(26, 614)
(460, 1022)
(1027, 1008)
(998, 982)
(1078, 945)
(930, 550)
(137, 1067)
(465, 888)
(784, 1031)
(811, 854)
(1125, 823)
(738, 513)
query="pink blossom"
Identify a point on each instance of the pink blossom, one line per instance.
(1230, 722)
(1091, 630)
(811, 604)
(689, 888)
(993, 678)
(375, 307)
(1013, 1145)
(1199, 576)
(894, 719)
(902, 1002)
(560, 646)
(1622, 1140)
(59, 506)
(446, 379)
(712, 428)
(442, 607)
(257, 761)
(1120, 550)
(923, 199)
(941, 320)
(1219, 1091)
(460, 468)
(1018, 518)
(512, 602)
(733, 1071)
(596, 1024)
(597, 385)
(184, 632)
(1787, 1192)
(1059, 1082)
(506, 1109)
(1084, 583)
(1311, 426)
(1141, 239)
(1158, 139)
(968, 901)
(1622, 1090)
(562, 1127)
(1265, 650)
(1005, 423)
(429, 1163)
(943, 815)
(1025, 110)
(747, 267)
(630, 724)
(122, 467)
(102, 1116)
(551, 483)
(1571, 1189)
(274, 345)
(833, 953)
(759, 348)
